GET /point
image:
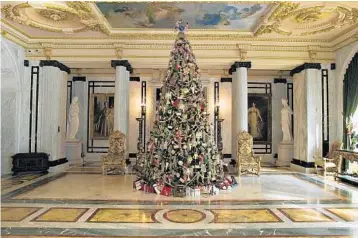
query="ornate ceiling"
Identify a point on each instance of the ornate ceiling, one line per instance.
(136, 30)
(152, 15)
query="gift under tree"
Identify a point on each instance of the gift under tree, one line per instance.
(181, 149)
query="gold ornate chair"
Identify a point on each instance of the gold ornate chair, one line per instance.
(330, 163)
(114, 161)
(247, 161)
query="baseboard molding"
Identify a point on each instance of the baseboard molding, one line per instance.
(302, 163)
(301, 169)
(59, 168)
(57, 162)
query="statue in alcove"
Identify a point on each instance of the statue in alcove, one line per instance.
(286, 114)
(73, 120)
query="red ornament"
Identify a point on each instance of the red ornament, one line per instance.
(151, 146)
(166, 191)
(176, 103)
(202, 106)
(179, 135)
(177, 66)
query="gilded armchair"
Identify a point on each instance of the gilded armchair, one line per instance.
(114, 161)
(247, 161)
(330, 163)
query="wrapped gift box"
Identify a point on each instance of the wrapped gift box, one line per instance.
(166, 191)
(156, 188)
(179, 191)
(234, 181)
(188, 191)
(196, 192)
(214, 190)
(138, 185)
(148, 188)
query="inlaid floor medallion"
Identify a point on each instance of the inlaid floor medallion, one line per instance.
(184, 216)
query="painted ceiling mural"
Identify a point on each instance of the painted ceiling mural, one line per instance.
(199, 16)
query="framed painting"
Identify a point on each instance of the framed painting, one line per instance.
(101, 115)
(260, 117)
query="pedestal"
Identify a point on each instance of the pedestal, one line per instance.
(285, 154)
(73, 151)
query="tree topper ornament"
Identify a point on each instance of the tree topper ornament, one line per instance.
(180, 27)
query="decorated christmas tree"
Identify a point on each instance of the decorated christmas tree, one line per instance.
(181, 149)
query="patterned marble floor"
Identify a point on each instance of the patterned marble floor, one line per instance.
(276, 204)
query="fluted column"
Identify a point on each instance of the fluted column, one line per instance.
(307, 116)
(52, 109)
(239, 102)
(121, 95)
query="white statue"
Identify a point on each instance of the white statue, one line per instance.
(73, 120)
(254, 117)
(286, 113)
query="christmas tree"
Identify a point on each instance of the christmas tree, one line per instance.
(181, 149)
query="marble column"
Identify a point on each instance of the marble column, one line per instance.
(52, 109)
(239, 102)
(121, 95)
(307, 116)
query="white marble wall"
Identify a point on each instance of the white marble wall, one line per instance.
(13, 89)
(134, 112)
(225, 113)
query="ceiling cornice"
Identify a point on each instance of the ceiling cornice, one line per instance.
(158, 39)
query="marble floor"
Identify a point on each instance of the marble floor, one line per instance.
(83, 203)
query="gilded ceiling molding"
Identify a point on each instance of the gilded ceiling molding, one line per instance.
(57, 13)
(282, 11)
(288, 19)
(307, 15)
